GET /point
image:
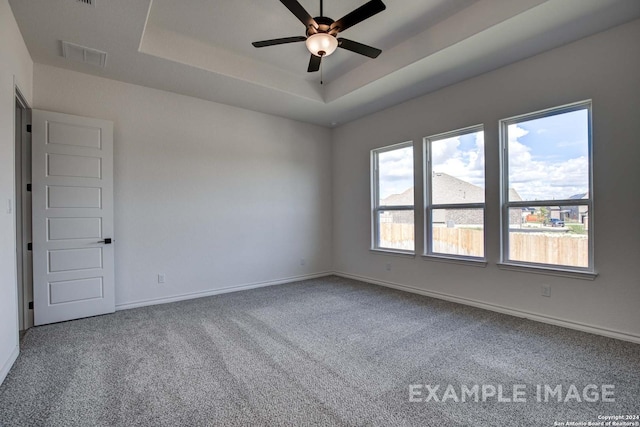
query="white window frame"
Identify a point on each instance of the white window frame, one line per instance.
(556, 269)
(429, 206)
(375, 199)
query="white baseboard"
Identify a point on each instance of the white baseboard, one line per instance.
(193, 295)
(439, 295)
(500, 309)
(7, 366)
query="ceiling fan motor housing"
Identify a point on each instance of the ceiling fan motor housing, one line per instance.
(324, 26)
(322, 41)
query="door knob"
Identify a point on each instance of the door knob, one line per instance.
(106, 241)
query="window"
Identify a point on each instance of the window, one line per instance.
(547, 189)
(454, 194)
(392, 197)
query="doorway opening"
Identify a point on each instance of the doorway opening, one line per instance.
(23, 213)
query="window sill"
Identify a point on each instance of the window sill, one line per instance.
(453, 260)
(391, 252)
(572, 274)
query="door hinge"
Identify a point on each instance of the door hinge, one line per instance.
(30, 305)
(28, 187)
(29, 246)
(29, 128)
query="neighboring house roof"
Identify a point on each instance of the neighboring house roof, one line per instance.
(447, 189)
(403, 199)
(514, 196)
(580, 196)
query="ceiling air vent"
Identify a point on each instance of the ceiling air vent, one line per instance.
(84, 54)
(87, 2)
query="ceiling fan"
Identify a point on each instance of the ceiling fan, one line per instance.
(321, 35)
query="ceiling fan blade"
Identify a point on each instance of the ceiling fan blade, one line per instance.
(300, 13)
(365, 11)
(314, 63)
(360, 48)
(275, 42)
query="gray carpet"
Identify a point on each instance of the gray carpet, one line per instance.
(321, 352)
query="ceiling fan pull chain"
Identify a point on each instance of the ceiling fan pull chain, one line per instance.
(321, 70)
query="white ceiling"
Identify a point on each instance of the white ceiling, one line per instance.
(202, 48)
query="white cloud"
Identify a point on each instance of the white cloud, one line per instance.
(396, 171)
(544, 178)
(564, 144)
(468, 165)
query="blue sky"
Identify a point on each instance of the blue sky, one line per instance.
(548, 159)
(567, 131)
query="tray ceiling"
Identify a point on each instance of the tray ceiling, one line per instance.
(202, 48)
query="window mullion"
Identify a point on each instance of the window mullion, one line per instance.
(459, 206)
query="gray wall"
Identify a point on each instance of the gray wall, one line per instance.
(212, 196)
(215, 196)
(16, 69)
(604, 68)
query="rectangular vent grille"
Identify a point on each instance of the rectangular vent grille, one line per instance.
(84, 54)
(87, 2)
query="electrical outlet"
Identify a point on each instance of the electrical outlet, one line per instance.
(303, 261)
(546, 290)
(388, 266)
(161, 278)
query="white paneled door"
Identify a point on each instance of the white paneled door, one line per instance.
(73, 247)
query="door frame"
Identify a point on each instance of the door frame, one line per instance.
(22, 161)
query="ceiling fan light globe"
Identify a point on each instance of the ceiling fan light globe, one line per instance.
(321, 42)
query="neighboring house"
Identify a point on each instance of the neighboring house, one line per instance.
(398, 217)
(450, 190)
(579, 213)
(447, 189)
(571, 213)
(403, 199)
(558, 212)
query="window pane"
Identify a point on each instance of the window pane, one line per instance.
(549, 157)
(395, 173)
(553, 235)
(458, 169)
(458, 232)
(396, 230)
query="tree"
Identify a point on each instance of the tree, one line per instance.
(543, 215)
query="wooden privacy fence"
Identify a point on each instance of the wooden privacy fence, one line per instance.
(545, 248)
(557, 248)
(397, 236)
(458, 241)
